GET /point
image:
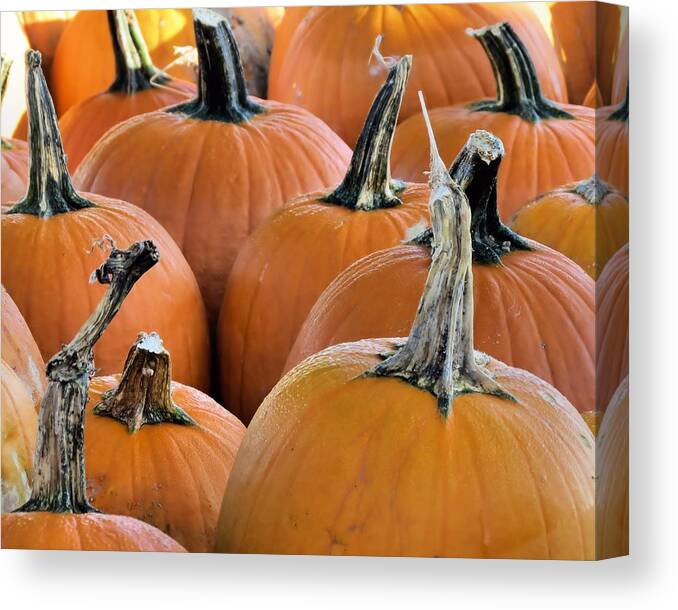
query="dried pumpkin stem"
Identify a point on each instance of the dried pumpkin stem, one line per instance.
(621, 113)
(133, 66)
(59, 482)
(438, 355)
(593, 190)
(367, 184)
(475, 171)
(144, 394)
(518, 89)
(50, 190)
(222, 91)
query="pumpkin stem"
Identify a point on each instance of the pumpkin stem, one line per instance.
(133, 66)
(50, 190)
(144, 394)
(222, 92)
(518, 89)
(367, 184)
(621, 113)
(475, 171)
(593, 190)
(438, 356)
(59, 482)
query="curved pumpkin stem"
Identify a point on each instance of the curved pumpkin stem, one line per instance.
(475, 171)
(144, 394)
(518, 89)
(222, 92)
(622, 111)
(438, 356)
(593, 190)
(133, 66)
(367, 184)
(59, 481)
(50, 190)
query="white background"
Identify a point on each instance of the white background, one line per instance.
(647, 579)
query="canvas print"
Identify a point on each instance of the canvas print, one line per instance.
(332, 280)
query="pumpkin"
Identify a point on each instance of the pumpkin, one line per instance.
(20, 351)
(158, 450)
(48, 237)
(325, 68)
(586, 221)
(138, 87)
(612, 145)
(58, 514)
(13, 46)
(291, 18)
(612, 465)
(44, 29)
(534, 307)
(586, 37)
(620, 78)
(542, 134)
(417, 446)
(13, 152)
(19, 422)
(274, 151)
(612, 326)
(293, 256)
(83, 64)
(594, 98)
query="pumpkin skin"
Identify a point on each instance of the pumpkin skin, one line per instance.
(612, 145)
(185, 468)
(84, 66)
(315, 473)
(20, 351)
(55, 298)
(620, 80)
(538, 143)
(207, 206)
(13, 171)
(19, 423)
(612, 489)
(139, 87)
(42, 531)
(449, 68)
(585, 222)
(594, 98)
(379, 295)
(612, 326)
(586, 37)
(44, 29)
(284, 32)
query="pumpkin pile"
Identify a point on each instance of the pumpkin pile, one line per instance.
(340, 280)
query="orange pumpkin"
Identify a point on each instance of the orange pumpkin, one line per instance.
(291, 258)
(13, 46)
(612, 489)
(291, 19)
(419, 446)
(157, 450)
(138, 87)
(58, 514)
(612, 145)
(44, 29)
(541, 133)
(587, 221)
(48, 237)
(586, 37)
(19, 423)
(534, 307)
(612, 326)
(620, 78)
(594, 98)
(20, 351)
(274, 151)
(83, 64)
(326, 66)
